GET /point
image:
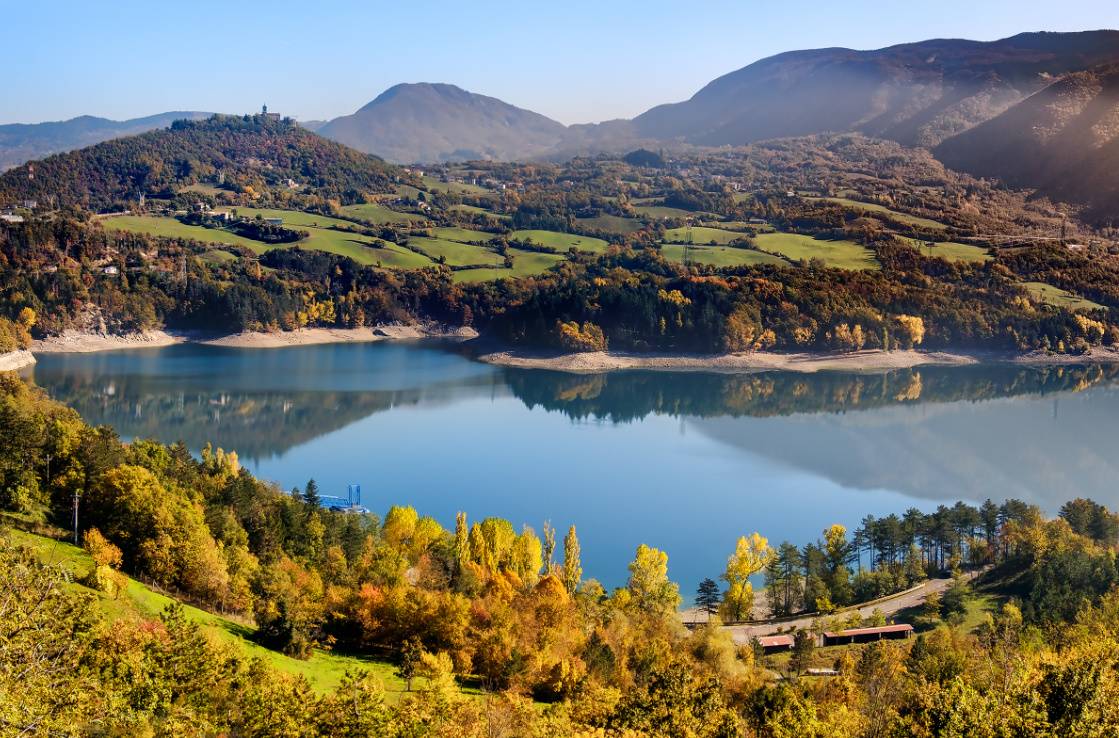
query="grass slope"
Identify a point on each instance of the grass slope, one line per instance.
(870, 207)
(323, 670)
(562, 241)
(721, 256)
(455, 253)
(837, 254)
(611, 224)
(1057, 297)
(525, 264)
(170, 228)
(702, 235)
(379, 214)
(952, 251)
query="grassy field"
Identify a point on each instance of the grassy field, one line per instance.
(217, 256)
(323, 670)
(720, 256)
(838, 254)
(477, 210)
(455, 253)
(611, 224)
(431, 184)
(1051, 295)
(952, 251)
(462, 235)
(170, 228)
(375, 213)
(869, 207)
(663, 211)
(201, 188)
(702, 235)
(294, 218)
(562, 241)
(525, 264)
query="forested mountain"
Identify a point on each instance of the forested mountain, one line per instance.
(22, 142)
(1063, 140)
(918, 94)
(438, 122)
(245, 152)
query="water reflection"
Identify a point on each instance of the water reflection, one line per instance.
(685, 461)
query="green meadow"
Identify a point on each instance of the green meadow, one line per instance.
(431, 184)
(663, 211)
(562, 241)
(720, 256)
(611, 224)
(525, 264)
(870, 207)
(702, 235)
(455, 253)
(155, 225)
(462, 235)
(952, 251)
(372, 212)
(1057, 297)
(837, 254)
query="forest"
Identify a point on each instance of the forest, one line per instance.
(551, 652)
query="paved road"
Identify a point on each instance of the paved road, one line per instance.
(888, 607)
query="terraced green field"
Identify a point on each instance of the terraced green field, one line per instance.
(702, 235)
(837, 254)
(720, 256)
(155, 225)
(375, 213)
(612, 224)
(525, 264)
(952, 251)
(455, 253)
(869, 207)
(1057, 297)
(562, 241)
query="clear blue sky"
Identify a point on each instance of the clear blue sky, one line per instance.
(573, 60)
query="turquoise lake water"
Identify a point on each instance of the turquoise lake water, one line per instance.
(686, 462)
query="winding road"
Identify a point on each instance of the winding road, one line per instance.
(888, 606)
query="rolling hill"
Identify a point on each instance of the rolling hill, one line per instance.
(1063, 140)
(439, 122)
(247, 150)
(22, 142)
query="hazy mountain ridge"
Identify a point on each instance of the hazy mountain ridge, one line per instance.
(438, 122)
(22, 142)
(917, 94)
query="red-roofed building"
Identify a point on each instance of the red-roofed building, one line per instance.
(866, 635)
(776, 643)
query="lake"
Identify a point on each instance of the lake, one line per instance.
(686, 462)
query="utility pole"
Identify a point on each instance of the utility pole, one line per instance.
(77, 497)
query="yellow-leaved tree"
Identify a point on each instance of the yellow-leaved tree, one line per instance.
(751, 554)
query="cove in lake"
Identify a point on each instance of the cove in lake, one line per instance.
(686, 462)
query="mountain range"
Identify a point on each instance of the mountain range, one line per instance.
(1036, 110)
(22, 142)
